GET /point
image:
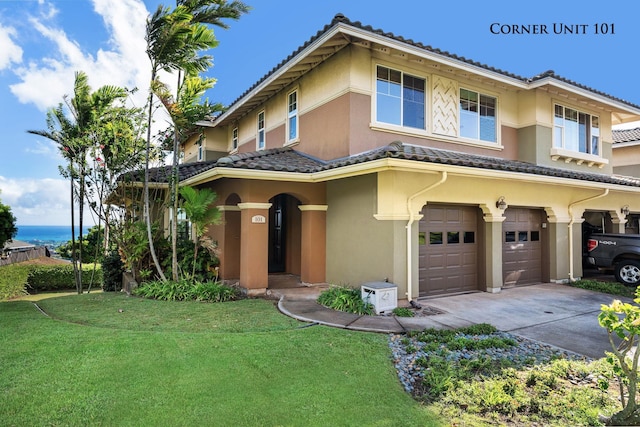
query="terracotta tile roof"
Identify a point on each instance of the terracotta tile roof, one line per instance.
(289, 160)
(162, 175)
(341, 19)
(626, 135)
(398, 150)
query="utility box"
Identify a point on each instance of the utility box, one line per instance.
(383, 295)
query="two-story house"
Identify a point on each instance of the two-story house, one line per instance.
(364, 156)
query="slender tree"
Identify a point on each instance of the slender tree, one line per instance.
(175, 40)
(75, 136)
(185, 113)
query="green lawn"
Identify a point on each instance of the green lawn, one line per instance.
(107, 359)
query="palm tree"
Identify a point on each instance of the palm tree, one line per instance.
(174, 42)
(197, 206)
(74, 136)
(185, 111)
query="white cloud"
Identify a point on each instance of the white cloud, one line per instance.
(46, 80)
(46, 148)
(10, 52)
(39, 201)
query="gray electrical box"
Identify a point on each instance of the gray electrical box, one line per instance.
(383, 295)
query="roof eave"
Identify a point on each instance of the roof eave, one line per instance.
(625, 111)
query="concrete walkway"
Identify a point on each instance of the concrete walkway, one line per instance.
(559, 315)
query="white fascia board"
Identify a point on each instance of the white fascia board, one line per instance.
(279, 72)
(442, 59)
(551, 81)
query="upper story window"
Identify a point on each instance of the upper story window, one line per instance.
(234, 139)
(400, 98)
(200, 151)
(292, 116)
(260, 142)
(477, 116)
(574, 130)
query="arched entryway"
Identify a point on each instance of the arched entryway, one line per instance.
(285, 222)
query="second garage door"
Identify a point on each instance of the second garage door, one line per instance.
(448, 250)
(522, 246)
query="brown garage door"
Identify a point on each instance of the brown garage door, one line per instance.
(448, 250)
(522, 247)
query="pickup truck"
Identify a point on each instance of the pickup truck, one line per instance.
(617, 252)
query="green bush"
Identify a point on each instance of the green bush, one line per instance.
(60, 277)
(112, 269)
(344, 298)
(186, 290)
(13, 280)
(205, 262)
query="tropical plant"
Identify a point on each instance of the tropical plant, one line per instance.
(344, 298)
(622, 320)
(185, 111)
(76, 126)
(198, 206)
(175, 39)
(187, 290)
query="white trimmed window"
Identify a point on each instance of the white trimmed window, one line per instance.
(478, 116)
(574, 130)
(260, 140)
(292, 116)
(400, 98)
(234, 139)
(200, 151)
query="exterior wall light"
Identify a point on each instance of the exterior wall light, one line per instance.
(501, 204)
(625, 210)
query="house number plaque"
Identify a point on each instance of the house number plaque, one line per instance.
(258, 219)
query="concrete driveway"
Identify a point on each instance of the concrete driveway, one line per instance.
(559, 315)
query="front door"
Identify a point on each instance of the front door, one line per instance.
(277, 227)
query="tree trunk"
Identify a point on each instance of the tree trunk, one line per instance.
(146, 213)
(74, 260)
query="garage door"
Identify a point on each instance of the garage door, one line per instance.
(448, 250)
(522, 247)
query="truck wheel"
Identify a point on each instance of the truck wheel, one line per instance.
(627, 272)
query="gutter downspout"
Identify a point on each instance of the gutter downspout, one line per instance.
(412, 219)
(571, 222)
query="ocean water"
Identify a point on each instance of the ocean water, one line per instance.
(50, 235)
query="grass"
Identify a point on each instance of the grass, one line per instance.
(107, 359)
(613, 288)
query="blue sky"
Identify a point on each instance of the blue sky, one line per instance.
(43, 43)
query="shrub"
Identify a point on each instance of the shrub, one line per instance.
(344, 298)
(112, 269)
(204, 262)
(13, 280)
(60, 277)
(186, 290)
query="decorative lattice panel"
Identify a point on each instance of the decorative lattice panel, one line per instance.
(445, 106)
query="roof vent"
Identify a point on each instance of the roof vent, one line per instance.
(395, 146)
(224, 161)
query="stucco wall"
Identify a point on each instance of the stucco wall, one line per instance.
(359, 248)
